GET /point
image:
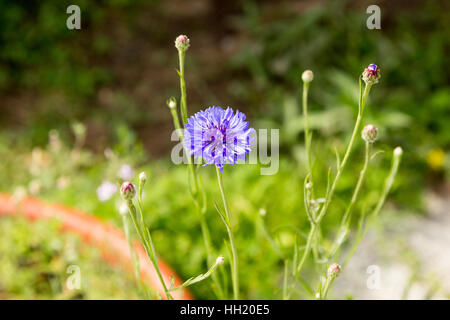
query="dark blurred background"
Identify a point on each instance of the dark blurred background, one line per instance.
(119, 69)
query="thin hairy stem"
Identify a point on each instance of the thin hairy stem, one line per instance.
(234, 267)
(200, 277)
(148, 246)
(323, 211)
(342, 233)
(134, 257)
(306, 124)
(183, 103)
(387, 187)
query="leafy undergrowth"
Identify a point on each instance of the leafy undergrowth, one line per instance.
(59, 173)
(39, 262)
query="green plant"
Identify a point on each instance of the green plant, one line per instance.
(210, 125)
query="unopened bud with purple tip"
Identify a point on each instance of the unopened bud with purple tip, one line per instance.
(128, 191)
(371, 74)
(369, 133)
(182, 42)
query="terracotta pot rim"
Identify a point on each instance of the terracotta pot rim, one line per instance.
(110, 240)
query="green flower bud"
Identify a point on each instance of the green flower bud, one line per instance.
(220, 260)
(171, 103)
(142, 177)
(307, 76)
(182, 42)
(398, 151)
(333, 271)
(369, 133)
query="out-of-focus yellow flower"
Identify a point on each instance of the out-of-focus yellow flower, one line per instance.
(435, 159)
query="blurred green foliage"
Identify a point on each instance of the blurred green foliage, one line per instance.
(169, 211)
(36, 260)
(411, 103)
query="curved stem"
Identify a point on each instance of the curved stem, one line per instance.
(323, 211)
(234, 267)
(134, 257)
(342, 233)
(362, 175)
(148, 246)
(387, 187)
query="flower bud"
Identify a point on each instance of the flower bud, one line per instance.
(220, 260)
(171, 103)
(398, 151)
(308, 186)
(307, 76)
(333, 271)
(182, 42)
(369, 133)
(142, 177)
(371, 74)
(128, 191)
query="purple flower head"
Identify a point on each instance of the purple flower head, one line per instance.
(218, 136)
(127, 190)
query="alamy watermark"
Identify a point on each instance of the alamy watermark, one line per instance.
(74, 20)
(262, 152)
(374, 280)
(73, 281)
(374, 20)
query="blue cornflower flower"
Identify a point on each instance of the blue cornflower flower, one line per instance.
(218, 136)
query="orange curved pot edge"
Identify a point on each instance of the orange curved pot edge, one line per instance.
(110, 240)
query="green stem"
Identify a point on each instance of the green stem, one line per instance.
(307, 137)
(192, 174)
(307, 248)
(209, 253)
(362, 175)
(323, 295)
(306, 124)
(285, 281)
(181, 55)
(148, 246)
(323, 211)
(235, 272)
(339, 239)
(299, 267)
(198, 278)
(387, 187)
(134, 257)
